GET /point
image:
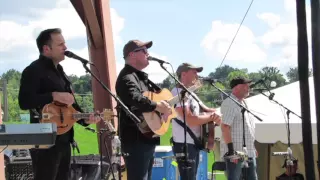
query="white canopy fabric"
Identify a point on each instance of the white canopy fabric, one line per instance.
(273, 128)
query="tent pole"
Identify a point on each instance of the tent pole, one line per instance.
(269, 160)
(315, 29)
(303, 68)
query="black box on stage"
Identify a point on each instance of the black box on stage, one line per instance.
(85, 167)
(88, 167)
(19, 168)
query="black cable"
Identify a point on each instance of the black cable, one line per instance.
(244, 17)
(109, 158)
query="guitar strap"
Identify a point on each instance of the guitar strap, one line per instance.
(197, 142)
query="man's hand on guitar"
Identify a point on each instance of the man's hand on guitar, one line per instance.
(216, 118)
(164, 108)
(63, 97)
(93, 118)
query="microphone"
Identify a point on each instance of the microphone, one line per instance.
(72, 55)
(150, 58)
(209, 79)
(280, 154)
(272, 84)
(236, 155)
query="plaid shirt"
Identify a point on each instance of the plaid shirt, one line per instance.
(232, 116)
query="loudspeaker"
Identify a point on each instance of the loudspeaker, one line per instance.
(20, 168)
(88, 168)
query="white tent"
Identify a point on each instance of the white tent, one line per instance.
(271, 134)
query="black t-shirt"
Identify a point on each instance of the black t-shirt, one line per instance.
(284, 176)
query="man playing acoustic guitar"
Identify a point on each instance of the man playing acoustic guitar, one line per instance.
(42, 83)
(130, 85)
(188, 75)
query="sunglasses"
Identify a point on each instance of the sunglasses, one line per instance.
(144, 50)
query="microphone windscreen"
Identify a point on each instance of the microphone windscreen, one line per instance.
(68, 53)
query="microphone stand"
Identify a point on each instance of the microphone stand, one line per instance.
(183, 92)
(289, 157)
(100, 133)
(243, 109)
(121, 154)
(123, 106)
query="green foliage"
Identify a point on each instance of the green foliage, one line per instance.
(293, 74)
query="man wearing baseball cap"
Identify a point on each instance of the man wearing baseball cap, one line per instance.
(188, 75)
(291, 171)
(232, 131)
(130, 85)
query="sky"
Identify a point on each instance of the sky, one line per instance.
(181, 31)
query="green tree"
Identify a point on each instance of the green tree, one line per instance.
(272, 74)
(293, 74)
(235, 74)
(222, 72)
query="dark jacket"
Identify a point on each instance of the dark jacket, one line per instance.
(284, 176)
(130, 85)
(38, 81)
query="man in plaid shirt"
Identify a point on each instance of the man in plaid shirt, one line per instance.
(232, 131)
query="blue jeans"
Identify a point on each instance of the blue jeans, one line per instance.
(193, 157)
(234, 171)
(139, 162)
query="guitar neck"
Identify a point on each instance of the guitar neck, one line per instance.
(176, 98)
(81, 115)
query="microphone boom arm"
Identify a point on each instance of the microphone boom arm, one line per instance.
(260, 90)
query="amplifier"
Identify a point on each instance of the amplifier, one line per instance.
(19, 168)
(85, 167)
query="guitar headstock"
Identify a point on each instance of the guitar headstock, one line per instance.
(108, 114)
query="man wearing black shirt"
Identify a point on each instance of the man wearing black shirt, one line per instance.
(43, 82)
(130, 85)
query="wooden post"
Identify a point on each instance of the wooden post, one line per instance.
(95, 14)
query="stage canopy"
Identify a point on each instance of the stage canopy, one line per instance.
(273, 128)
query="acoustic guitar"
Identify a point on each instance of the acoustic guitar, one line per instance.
(156, 124)
(64, 116)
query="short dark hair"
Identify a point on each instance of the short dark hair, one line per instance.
(44, 37)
